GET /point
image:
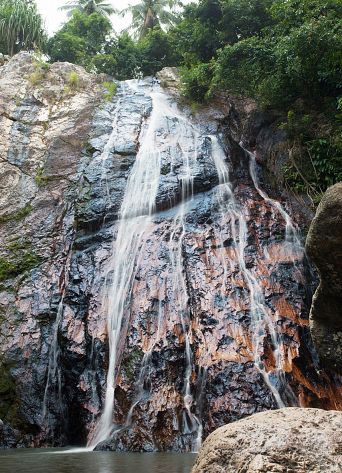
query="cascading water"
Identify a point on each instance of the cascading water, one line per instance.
(292, 237)
(135, 215)
(170, 140)
(188, 148)
(152, 231)
(262, 325)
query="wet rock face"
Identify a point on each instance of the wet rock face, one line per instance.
(65, 158)
(44, 126)
(324, 247)
(291, 439)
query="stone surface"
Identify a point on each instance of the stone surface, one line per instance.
(286, 440)
(44, 126)
(169, 78)
(62, 181)
(324, 247)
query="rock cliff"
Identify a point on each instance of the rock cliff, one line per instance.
(218, 325)
(324, 246)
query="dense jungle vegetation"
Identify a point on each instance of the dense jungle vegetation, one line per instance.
(285, 54)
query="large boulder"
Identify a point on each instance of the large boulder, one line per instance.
(286, 440)
(324, 247)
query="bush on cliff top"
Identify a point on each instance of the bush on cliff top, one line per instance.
(285, 54)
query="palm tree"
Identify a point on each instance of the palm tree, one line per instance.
(21, 26)
(148, 14)
(89, 6)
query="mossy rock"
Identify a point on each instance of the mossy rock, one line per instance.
(18, 215)
(20, 259)
(130, 362)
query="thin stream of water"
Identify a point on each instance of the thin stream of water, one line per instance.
(262, 324)
(53, 385)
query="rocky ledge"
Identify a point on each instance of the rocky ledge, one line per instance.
(287, 440)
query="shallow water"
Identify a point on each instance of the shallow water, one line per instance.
(55, 461)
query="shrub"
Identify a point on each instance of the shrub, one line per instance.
(196, 82)
(111, 89)
(73, 80)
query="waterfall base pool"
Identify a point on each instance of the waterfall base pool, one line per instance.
(59, 461)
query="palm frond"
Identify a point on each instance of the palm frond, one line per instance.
(21, 26)
(150, 13)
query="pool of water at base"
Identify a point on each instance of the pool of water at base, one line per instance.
(61, 461)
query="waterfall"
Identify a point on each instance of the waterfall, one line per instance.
(164, 129)
(261, 322)
(135, 214)
(169, 137)
(292, 238)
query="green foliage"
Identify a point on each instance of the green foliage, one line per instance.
(196, 82)
(21, 27)
(286, 54)
(316, 153)
(244, 18)
(315, 166)
(156, 51)
(129, 363)
(73, 80)
(80, 39)
(40, 179)
(7, 269)
(245, 68)
(41, 69)
(121, 58)
(197, 37)
(298, 56)
(111, 89)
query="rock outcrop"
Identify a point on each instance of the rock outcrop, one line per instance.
(324, 247)
(65, 157)
(286, 440)
(45, 119)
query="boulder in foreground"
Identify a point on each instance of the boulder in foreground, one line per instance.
(286, 440)
(324, 247)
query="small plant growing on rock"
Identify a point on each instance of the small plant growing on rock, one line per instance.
(111, 90)
(73, 80)
(40, 179)
(41, 69)
(20, 259)
(7, 269)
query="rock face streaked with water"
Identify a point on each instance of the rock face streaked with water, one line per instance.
(147, 278)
